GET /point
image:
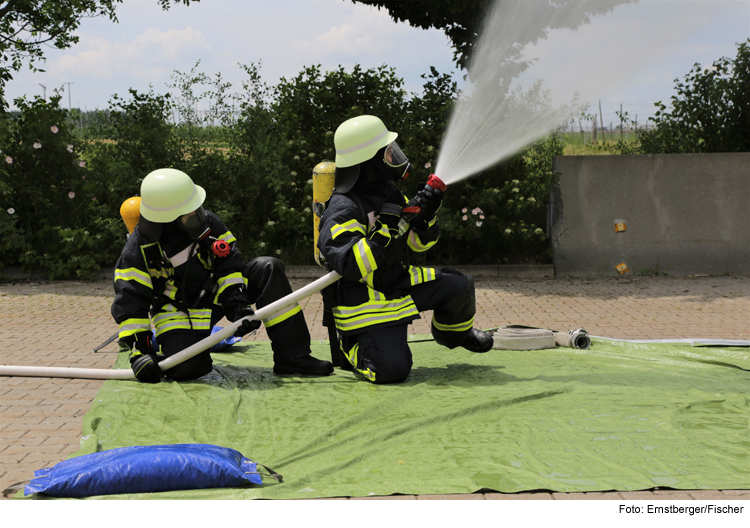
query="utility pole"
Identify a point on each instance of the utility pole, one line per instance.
(45, 91)
(70, 107)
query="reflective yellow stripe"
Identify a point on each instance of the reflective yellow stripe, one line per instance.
(458, 327)
(283, 315)
(134, 274)
(170, 290)
(419, 275)
(373, 294)
(132, 326)
(228, 237)
(373, 312)
(224, 282)
(352, 357)
(201, 313)
(364, 258)
(416, 244)
(178, 320)
(352, 226)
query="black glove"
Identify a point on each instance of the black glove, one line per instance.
(386, 227)
(236, 306)
(247, 326)
(431, 200)
(143, 359)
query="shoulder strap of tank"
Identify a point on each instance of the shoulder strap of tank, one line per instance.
(357, 200)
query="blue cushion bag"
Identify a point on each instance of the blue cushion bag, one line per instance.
(147, 469)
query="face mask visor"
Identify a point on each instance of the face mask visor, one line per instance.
(396, 160)
(194, 224)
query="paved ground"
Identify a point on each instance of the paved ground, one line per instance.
(59, 323)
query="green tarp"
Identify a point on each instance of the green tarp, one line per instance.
(619, 416)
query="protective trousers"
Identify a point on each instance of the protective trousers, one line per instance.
(287, 329)
(382, 355)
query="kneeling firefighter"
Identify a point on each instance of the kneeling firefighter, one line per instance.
(360, 238)
(180, 270)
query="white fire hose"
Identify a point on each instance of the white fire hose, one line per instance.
(183, 355)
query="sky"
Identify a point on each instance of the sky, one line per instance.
(148, 45)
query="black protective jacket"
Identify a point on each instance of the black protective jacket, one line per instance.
(376, 280)
(162, 281)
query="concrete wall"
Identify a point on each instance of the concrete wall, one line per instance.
(685, 214)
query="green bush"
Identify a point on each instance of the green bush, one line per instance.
(709, 113)
(254, 153)
(50, 221)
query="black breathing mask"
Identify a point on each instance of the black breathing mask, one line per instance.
(195, 224)
(390, 164)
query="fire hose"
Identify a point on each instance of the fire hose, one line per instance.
(183, 355)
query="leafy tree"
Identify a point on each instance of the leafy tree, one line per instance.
(462, 21)
(26, 26)
(709, 113)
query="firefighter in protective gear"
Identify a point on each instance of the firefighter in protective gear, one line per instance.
(380, 294)
(180, 270)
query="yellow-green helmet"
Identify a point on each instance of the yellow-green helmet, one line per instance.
(167, 194)
(358, 140)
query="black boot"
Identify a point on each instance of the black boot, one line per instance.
(304, 365)
(478, 341)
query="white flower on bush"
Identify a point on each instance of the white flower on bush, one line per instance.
(278, 252)
(296, 157)
(464, 210)
(481, 217)
(54, 129)
(69, 148)
(8, 159)
(538, 231)
(532, 199)
(11, 211)
(476, 211)
(71, 195)
(427, 165)
(479, 224)
(307, 210)
(37, 145)
(261, 244)
(515, 189)
(81, 164)
(464, 218)
(290, 142)
(329, 133)
(508, 232)
(293, 173)
(270, 223)
(312, 155)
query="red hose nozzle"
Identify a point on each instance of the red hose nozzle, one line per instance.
(436, 183)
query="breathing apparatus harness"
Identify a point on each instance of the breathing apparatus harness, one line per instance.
(195, 225)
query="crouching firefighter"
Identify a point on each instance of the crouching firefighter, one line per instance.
(181, 271)
(363, 236)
